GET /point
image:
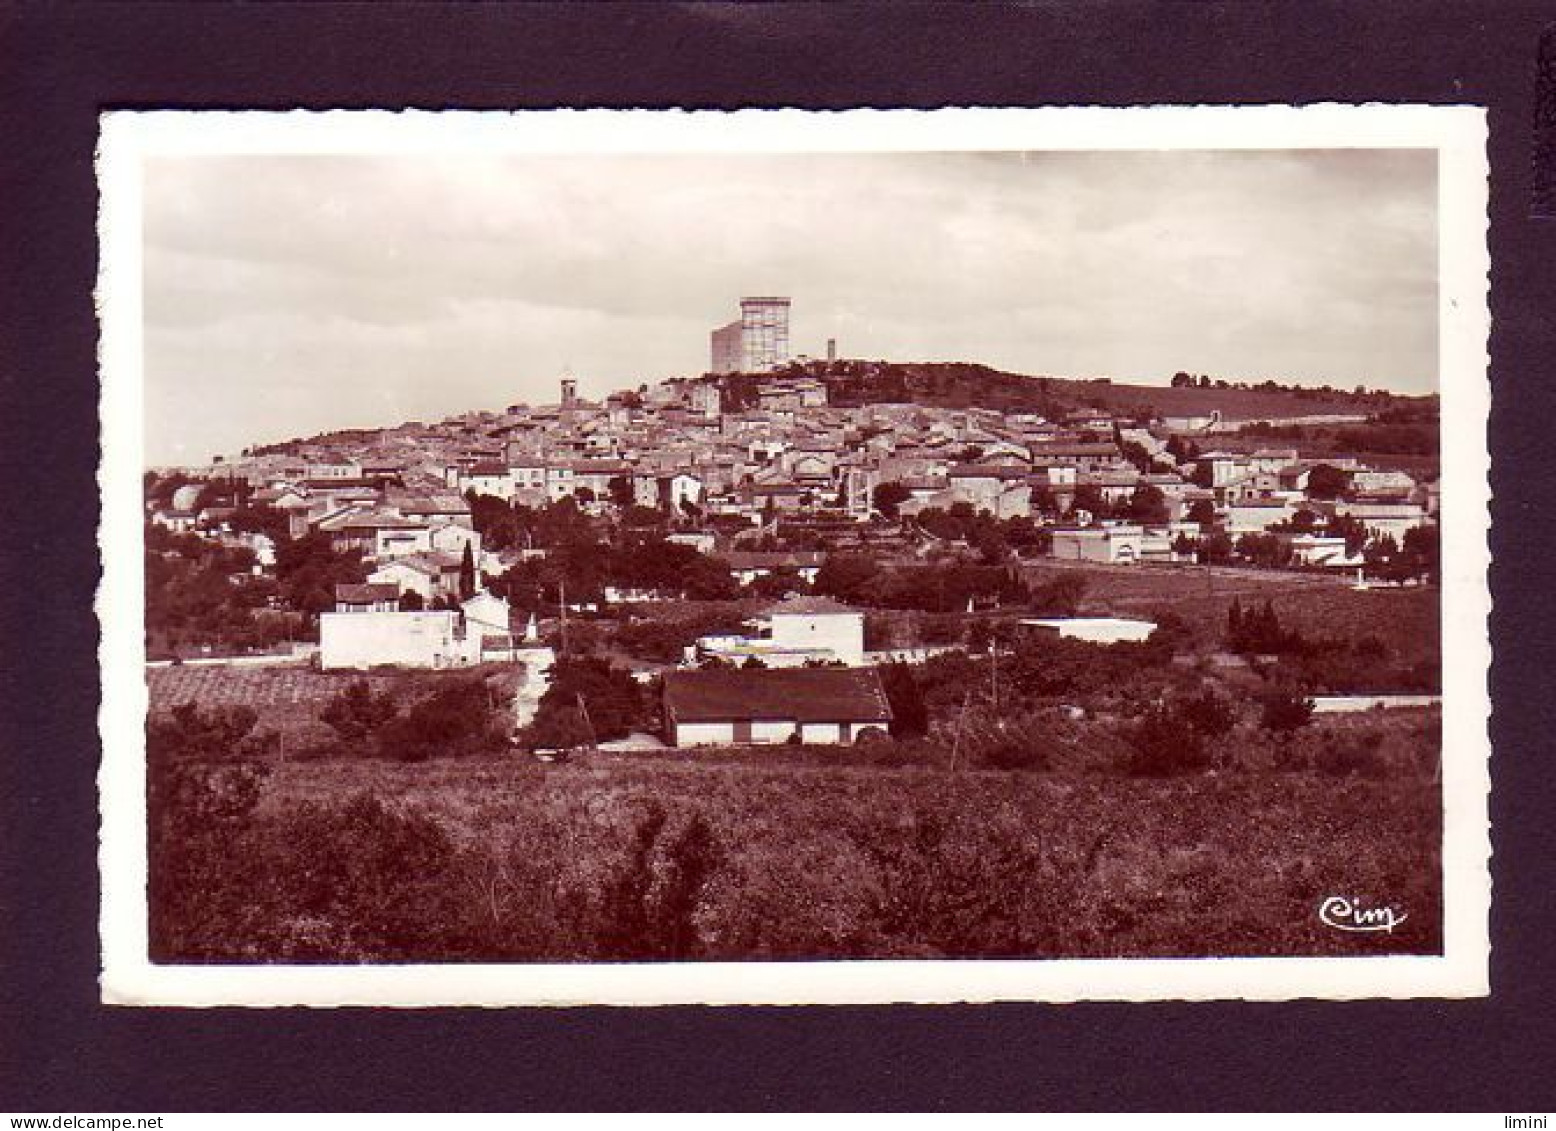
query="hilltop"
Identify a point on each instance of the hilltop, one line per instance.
(966, 385)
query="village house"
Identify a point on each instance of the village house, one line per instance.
(429, 575)
(1116, 545)
(737, 707)
(745, 566)
(366, 632)
(1385, 520)
(1093, 630)
(793, 633)
(369, 598)
(1257, 516)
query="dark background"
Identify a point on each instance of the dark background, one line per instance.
(61, 1051)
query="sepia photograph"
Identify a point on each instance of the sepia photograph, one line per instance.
(646, 557)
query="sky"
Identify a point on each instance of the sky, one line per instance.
(285, 296)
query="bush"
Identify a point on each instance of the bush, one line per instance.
(356, 713)
(1283, 712)
(589, 700)
(456, 718)
(1163, 743)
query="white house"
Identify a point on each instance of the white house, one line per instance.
(796, 632)
(1392, 520)
(1256, 517)
(748, 565)
(1119, 545)
(430, 575)
(1094, 630)
(370, 639)
(742, 706)
(366, 631)
(818, 624)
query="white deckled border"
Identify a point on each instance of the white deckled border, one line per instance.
(1457, 133)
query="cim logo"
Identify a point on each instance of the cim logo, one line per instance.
(1347, 913)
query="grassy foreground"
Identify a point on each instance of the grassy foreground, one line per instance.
(675, 857)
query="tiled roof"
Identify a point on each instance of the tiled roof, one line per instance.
(367, 594)
(988, 471)
(436, 504)
(775, 559)
(432, 563)
(807, 695)
(808, 605)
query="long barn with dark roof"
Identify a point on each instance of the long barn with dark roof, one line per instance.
(741, 706)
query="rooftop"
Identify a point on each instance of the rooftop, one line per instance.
(807, 606)
(799, 694)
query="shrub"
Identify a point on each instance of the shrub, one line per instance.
(589, 699)
(456, 718)
(1283, 712)
(356, 713)
(1163, 743)
(909, 710)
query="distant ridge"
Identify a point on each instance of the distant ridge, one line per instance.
(972, 385)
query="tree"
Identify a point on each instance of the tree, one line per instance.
(848, 577)
(1282, 712)
(467, 574)
(1422, 553)
(888, 496)
(1182, 380)
(356, 713)
(1148, 505)
(620, 490)
(909, 710)
(308, 569)
(1061, 596)
(1215, 549)
(412, 602)
(1327, 482)
(1202, 511)
(592, 688)
(458, 717)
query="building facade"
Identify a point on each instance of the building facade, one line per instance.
(758, 342)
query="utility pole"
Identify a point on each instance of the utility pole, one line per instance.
(583, 709)
(994, 653)
(961, 725)
(562, 601)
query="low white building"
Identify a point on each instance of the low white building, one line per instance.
(738, 707)
(366, 633)
(1390, 520)
(375, 638)
(1256, 517)
(1118, 545)
(1093, 630)
(796, 632)
(821, 624)
(1322, 550)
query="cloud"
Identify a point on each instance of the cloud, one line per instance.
(301, 293)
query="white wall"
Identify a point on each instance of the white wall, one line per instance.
(704, 734)
(398, 543)
(840, 633)
(408, 579)
(821, 732)
(362, 640)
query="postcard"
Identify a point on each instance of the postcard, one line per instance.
(656, 557)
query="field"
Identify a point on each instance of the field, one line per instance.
(791, 853)
(707, 858)
(1407, 620)
(287, 698)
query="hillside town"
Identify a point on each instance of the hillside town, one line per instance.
(489, 536)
